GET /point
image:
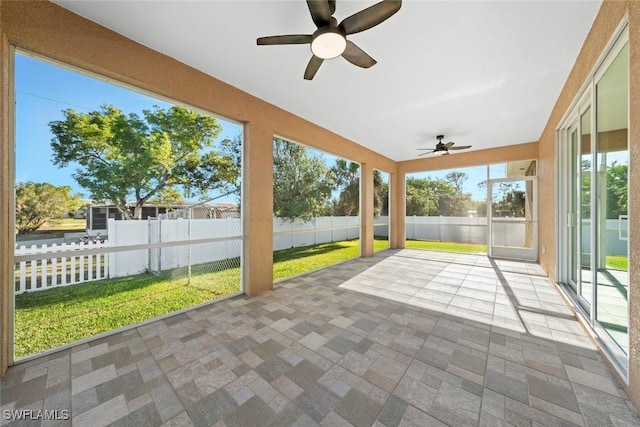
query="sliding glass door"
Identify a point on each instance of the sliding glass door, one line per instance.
(611, 205)
(593, 201)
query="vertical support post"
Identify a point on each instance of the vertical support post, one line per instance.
(257, 208)
(397, 208)
(159, 240)
(366, 210)
(7, 227)
(634, 203)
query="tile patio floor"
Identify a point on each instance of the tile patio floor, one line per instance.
(409, 338)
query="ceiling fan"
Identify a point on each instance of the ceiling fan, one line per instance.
(330, 39)
(442, 148)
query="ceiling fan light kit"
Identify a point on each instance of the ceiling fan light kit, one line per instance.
(326, 43)
(330, 39)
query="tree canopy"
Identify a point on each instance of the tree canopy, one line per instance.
(617, 190)
(302, 182)
(509, 200)
(435, 197)
(39, 202)
(120, 157)
(346, 179)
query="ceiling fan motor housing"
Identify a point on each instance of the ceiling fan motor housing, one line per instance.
(328, 42)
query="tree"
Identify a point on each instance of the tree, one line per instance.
(39, 202)
(232, 148)
(346, 180)
(168, 196)
(428, 197)
(456, 179)
(421, 199)
(380, 194)
(127, 156)
(302, 182)
(617, 192)
(511, 204)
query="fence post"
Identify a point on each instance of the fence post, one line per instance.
(105, 261)
(72, 277)
(63, 267)
(43, 269)
(159, 240)
(34, 270)
(54, 267)
(99, 261)
(189, 213)
(90, 274)
(23, 272)
(332, 236)
(81, 259)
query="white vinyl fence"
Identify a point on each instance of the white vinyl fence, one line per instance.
(294, 234)
(45, 267)
(211, 240)
(447, 229)
(64, 264)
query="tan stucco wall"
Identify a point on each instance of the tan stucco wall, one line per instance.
(6, 197)
(609, 17)
(634, 201)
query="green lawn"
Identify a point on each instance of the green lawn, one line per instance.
(289, 262)
(48, 319)
(447, 246)
(64, 224)
(619, 262)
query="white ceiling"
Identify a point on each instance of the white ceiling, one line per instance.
(483, 73)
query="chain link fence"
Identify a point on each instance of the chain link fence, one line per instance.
(200, 243)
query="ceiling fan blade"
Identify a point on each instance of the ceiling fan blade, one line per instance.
(423, 154)
(320, 12)
(357, 56)
(371, 16)
(287, 39)
(449, 144)
(461, 147)
(312, 67)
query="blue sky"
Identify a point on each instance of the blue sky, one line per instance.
(42, 91)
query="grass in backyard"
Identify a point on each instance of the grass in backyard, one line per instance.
(48, 319)
(290, 262)
(470, 248)
(64, 224)
(619, 262)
